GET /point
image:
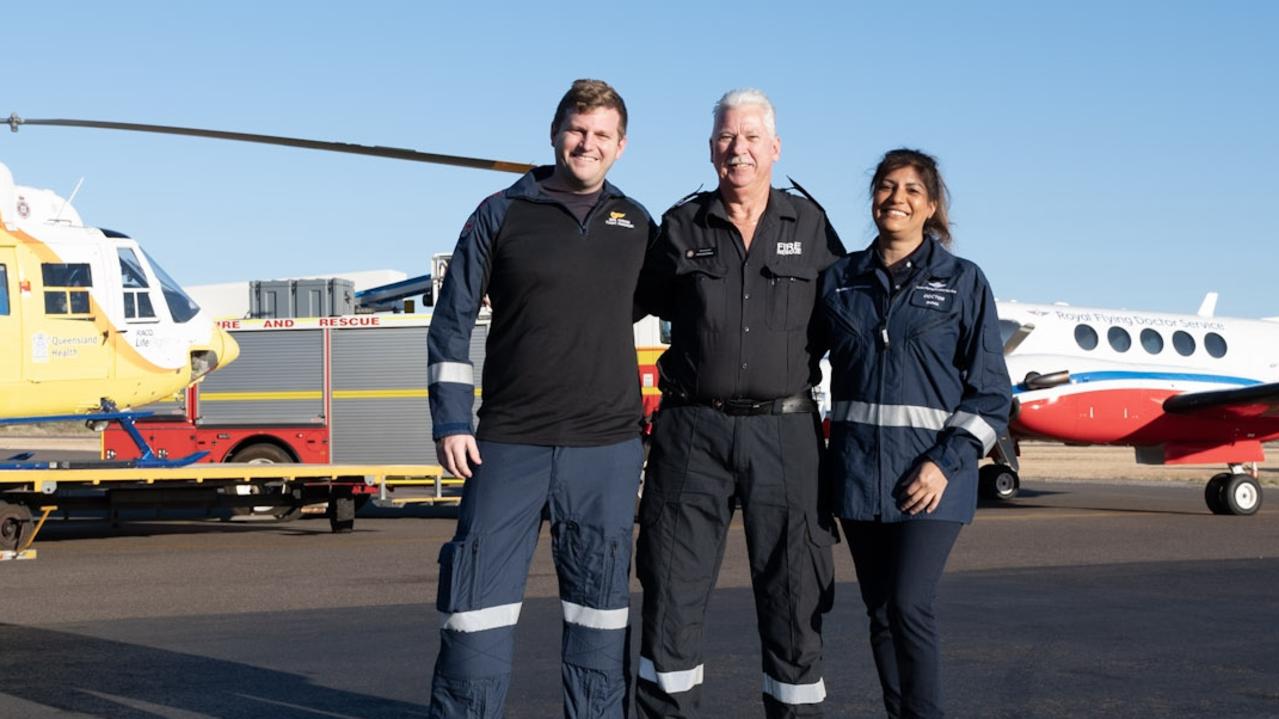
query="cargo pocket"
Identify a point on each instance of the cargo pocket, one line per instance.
(649, 550)
(459, 575)
(578, 561)
(794, 292)
(822, 535)
(615, 587)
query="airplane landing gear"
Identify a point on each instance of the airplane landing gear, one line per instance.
(1233, 493)
(997, 481)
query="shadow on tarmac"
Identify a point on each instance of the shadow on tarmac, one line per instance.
(1184, 639)
(104, 678)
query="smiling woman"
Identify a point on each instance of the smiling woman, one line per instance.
(904, 452)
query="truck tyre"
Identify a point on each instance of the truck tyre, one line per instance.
(261, 453)
(265, 453)
(15, 526)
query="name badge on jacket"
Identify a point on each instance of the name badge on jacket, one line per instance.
(933, 295)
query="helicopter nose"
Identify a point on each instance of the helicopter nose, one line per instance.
(226, 347)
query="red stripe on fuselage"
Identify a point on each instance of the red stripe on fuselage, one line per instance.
(1136, 417)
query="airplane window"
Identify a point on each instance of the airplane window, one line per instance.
(1119, 339)
(180, 304)
(1215, 344)
(1086, 337)
(4, 290)
(1006, 330)
(1152, 341)
(1183, 343)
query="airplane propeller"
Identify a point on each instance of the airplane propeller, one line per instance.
(396, 153)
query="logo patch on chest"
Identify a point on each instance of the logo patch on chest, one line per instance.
(618, 219)
(790, 248)
(933, 294)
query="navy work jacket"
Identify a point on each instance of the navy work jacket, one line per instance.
(917, 373)
(561, 368)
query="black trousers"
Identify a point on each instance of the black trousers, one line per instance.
(702, 463)
(898, 567)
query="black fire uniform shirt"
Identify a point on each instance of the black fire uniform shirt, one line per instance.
(561, 364)
(742, 323)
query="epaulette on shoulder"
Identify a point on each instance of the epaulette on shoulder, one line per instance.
(686, 198)
(800, 188)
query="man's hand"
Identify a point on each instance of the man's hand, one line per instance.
(923, 492)
(454, 451)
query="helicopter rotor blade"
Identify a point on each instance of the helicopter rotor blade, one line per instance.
(396, 153)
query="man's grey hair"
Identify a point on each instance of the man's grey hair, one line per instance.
(746, 96)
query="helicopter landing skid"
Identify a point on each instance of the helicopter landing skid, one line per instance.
(147, 458)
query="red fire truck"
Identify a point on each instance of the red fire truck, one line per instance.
(317, 390)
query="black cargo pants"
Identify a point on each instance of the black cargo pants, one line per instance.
(703, 462)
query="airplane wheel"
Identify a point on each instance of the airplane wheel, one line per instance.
(1241, 494)
(997, 481)
(15, 526)
(1214, 493)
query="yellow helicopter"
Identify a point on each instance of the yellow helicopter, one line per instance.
(89, 323)
(88, 320)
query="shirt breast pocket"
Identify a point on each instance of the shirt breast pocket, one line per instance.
(792, 291)
(703, 288)
(934, 331)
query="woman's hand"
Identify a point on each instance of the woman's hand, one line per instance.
(924, 490)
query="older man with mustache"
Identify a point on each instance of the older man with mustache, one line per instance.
(735, 271)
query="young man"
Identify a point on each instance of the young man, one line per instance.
(558, 253)
(735, 271)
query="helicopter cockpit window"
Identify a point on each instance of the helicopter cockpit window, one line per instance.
(137, 297)
(4, 290)
(62, 288)
(180, 304)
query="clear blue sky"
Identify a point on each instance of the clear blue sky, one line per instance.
(1121, 154)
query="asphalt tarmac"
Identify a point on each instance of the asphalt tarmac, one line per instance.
(1074, 600)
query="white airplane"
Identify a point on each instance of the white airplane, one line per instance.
(1180, 389)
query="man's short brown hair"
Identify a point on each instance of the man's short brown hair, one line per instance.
(587, 95)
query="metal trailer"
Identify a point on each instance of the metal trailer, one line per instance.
(350, 389)
(29, 496)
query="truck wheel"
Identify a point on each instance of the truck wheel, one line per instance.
(265, 453)
(15, 526)
(261, 453)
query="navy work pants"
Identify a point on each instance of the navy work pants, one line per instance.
(898, 567)
(590, 495)
(702, 463)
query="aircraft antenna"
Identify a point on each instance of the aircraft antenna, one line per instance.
(67, 201)
(396, 153)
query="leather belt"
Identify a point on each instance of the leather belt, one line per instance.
(740, 407)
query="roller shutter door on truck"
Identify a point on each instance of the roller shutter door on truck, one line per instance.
(278, 379)
(380, 411)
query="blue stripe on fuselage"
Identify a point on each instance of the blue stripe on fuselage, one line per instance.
(1112, 375)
